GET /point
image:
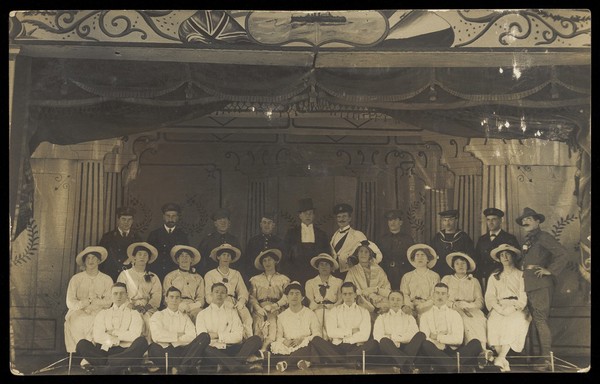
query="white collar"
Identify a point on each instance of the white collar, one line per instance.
(306, 226)
(442, 308)
(349, 306)
(495, 233)
(345, 229)
(216, 307)
(169, 229)
(120, 308)
(172, 313)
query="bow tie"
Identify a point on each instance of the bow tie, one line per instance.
(492, 236)
(323, 289)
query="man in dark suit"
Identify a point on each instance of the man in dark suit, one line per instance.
(494, 236)
(450, 239)
(165, 238)
(221, 235)
(302, 243)
(393, 245)
(267, 239)
(117, 241)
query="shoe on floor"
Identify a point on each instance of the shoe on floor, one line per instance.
(252, 368)
(303, 364)
(254, 359)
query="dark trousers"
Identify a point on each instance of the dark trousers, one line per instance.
(307, 353)
(185, 356)
(115, 357)
(234, 355)
(539, 302)
(446, 360)
(343, 353)
(405, 355)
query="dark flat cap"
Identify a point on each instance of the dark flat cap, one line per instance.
(394, 214)
(493, 212)
(221, 213)
(125, 211)
(171, 207)
(341, 208)
(449, 213)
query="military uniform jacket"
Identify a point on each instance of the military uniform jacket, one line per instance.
(116, 245)
(393, 246)
(485, 264)
(164, 242)
(541, 248)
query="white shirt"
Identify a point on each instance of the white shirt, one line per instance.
(223, 321)
(343, 318)
(169, 230)
(166, 324)
(124, 323)
(397, 326)
(308, 233)
(442, 319)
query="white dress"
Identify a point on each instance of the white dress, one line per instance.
(509, 329)
(468, 290)
(79, 320)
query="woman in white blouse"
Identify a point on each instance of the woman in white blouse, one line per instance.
(465, 296)
(324, 290)
(417, 285)
(266, 296)
(87, 294)
(505, 298)
(143, 287)
(185, 278)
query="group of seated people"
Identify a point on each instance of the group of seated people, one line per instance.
(306, 299)
(215, 321)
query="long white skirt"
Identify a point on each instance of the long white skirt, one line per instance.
(508, 330)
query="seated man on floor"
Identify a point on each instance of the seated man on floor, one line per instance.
(444, 330)
(349, 327)
(296, 327)
(174, 333)
(117, 337)
(224, 326)
(398, 335)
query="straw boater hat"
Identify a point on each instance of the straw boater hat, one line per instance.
(429, 251)
(450, 257)
(324, 257)
(505, 247)
(273, 252)
(193, 251)
(372, 246)
(223, 247)
(150, 248)
(92, 249)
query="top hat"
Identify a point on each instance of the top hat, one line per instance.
(493, 212)
(218, 250)
(394, 214)
(171, 207)
(450, 259)
(305, 204)
(449, 213)
(324, 257)
(91, 249)
(530, 212)
(150, 248)
(342, 208)
(273, 252)
(193, 251)
(429, 251)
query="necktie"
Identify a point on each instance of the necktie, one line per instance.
(170, 230)
(323, 290)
